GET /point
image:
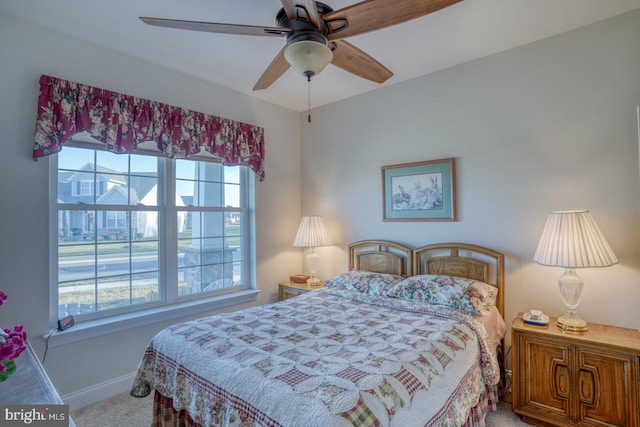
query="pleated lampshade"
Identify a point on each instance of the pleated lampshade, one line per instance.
(311, 233)
(572, 239)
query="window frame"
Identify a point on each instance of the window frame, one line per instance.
(170, 305)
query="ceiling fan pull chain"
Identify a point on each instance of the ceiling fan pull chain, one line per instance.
(309, 98)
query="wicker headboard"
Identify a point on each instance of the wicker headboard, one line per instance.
(453, 259)
(381, 256)
(463, 260)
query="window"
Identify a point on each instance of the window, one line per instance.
(209, 242)
(140, 231)
(85, 188)
(116, 220)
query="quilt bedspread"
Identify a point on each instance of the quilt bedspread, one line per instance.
(325, 358)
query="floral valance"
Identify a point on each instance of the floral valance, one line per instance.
(123, 121)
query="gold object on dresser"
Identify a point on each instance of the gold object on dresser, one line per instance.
(289, 289)
(587, 379)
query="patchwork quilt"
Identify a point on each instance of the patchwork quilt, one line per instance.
(330, 357)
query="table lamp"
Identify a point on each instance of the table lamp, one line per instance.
(572, 239)
(311, 234)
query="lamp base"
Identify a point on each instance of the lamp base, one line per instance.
(312, 265)
(313, 281)
(571, 322)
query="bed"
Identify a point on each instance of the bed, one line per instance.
(406, 337)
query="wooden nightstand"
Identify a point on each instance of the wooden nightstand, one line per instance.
(576, 379)
(288, 289)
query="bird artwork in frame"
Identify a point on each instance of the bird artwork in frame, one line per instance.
(420, 191)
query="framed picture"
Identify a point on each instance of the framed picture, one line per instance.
(420, 191)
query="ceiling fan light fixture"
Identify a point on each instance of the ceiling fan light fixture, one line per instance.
(308, 57)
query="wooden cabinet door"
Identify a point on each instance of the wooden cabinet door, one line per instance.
(544, 368)
(607, 388)
(587, 380)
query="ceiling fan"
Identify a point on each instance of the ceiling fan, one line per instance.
(315, 34)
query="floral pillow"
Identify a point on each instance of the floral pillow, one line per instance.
(364, 281)
(459, 293)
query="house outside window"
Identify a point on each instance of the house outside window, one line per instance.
(140, 231)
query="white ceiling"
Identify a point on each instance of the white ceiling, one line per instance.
(463, 32)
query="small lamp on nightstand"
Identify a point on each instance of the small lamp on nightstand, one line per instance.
(572, 239)
(311, 234)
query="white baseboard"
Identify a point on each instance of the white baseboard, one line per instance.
(87, 396)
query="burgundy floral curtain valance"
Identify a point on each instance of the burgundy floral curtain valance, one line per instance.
(123, 121)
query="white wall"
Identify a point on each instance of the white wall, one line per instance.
(549, 126)
(25, 53)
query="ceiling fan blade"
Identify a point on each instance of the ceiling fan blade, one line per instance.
(278, 67)
(214, 27)
(306, 9)
(370, 15)
(351, 59)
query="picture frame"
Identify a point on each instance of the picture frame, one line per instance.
(420, 191)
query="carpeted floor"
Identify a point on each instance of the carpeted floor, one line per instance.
(126, 411)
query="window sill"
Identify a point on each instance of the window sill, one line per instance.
(96, 328)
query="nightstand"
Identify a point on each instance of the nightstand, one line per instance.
(288, 289)
(576, 379)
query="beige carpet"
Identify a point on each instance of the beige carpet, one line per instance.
(126, 411)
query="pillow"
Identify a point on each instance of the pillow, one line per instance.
(483, 296)
(364, 281)
(494, 324)
(459, 293)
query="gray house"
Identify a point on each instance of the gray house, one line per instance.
(96, 185)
